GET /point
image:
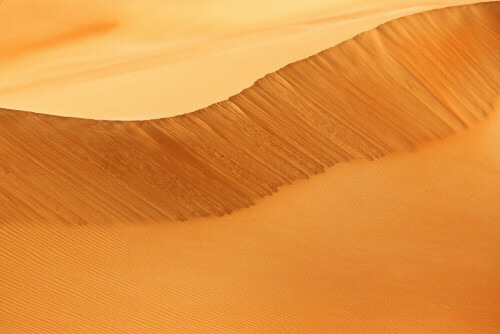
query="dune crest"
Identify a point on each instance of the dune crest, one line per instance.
(407, 82)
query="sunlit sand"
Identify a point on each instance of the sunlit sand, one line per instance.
(120, 59)
(355, 191)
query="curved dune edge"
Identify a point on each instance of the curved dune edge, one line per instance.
(407, 82)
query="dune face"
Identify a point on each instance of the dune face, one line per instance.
(176, 225)
(86, 58)
(404, 244)
(407, 82)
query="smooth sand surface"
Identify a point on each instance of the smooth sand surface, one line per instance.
(100, 227)
(124, 59)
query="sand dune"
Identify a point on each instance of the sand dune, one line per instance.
(126, 59)
(405, 244)
(401, 235)
(386, 90)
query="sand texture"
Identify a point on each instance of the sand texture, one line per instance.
(355, 191)
(387, 90)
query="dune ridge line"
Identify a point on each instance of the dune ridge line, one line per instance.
(407, 82)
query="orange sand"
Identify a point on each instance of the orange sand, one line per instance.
(390, 89)
(406, 243)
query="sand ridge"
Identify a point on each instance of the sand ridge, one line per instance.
(405, 244)
(387, 90)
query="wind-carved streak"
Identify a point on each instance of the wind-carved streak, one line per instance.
(409, 81)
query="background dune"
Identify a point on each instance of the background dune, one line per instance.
(125, 59)
(400, 236)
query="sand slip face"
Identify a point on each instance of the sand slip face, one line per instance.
(405, 244)
(121, 59)
(391, 89)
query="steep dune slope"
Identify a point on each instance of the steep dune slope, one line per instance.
(409, 243)
(128, 59)
(410, 81)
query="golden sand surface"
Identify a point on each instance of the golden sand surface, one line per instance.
(128, 59)
(387, 90)
(381, 156)
(409, 243)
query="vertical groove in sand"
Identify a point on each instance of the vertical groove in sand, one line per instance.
(407, 82)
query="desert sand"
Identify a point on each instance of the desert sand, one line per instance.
(367, 247)
(387, 90)
(125, 59)
(355, 191)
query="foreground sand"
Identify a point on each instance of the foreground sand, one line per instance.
(406, 244)
(126, 59)
(402, 235)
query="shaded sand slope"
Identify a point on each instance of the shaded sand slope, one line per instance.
(409, 81)
(128, 59)
(409, 243)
